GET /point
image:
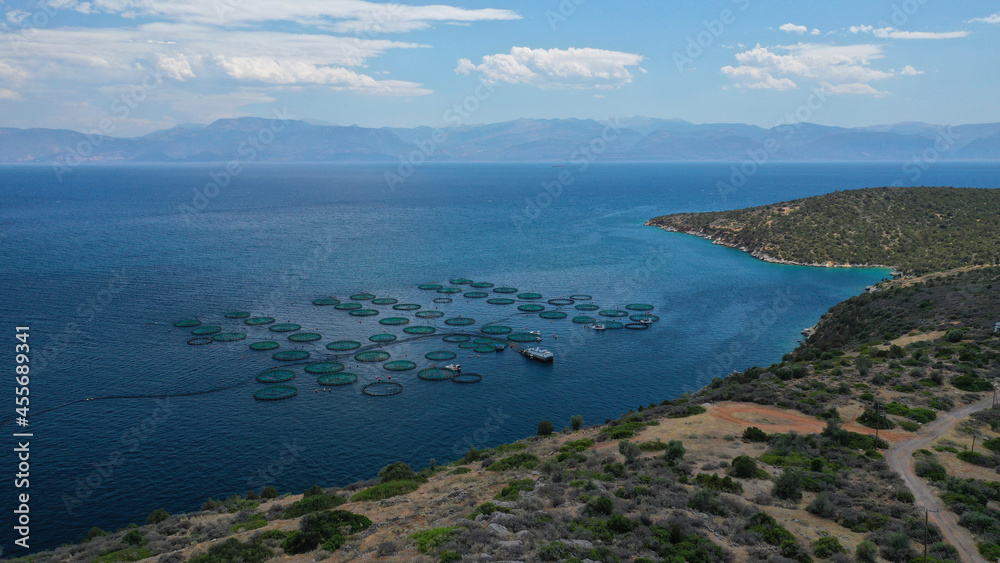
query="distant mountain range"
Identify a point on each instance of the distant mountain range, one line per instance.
(556, 140)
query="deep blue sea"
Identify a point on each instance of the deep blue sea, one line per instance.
(102, 264)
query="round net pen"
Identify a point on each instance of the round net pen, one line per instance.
(370, 356)
(385, 301)
(237, 315)
(639, 307)
(382, 338)
(429, 314)
(435, 374)
(257, 321)
(496, 329)
(290, 355)
(481, 285)
(456, 338)
(529, 295)
(187, 323)
(420, 330)
(506, 290)
(394, 321)
(348, 306)
(440, 355)
(580, 297)
(275, 393)
(584, 320)
(200, 340)
(531, 308)
(336, 379)
(343, 345)
(561, 302)
(265, 345)
(500, 301)
(305, 337)
(406, 307)
(460, 321)
(399, 365)
(275, 376)
(587, 307)
(362, 297)
(326, 302)
(284, 327)
(430, 286)
(364, 312)
(382, 388)
(467, 378)
(229, 336)
(206, 330)
(323, 368)
(553, 315)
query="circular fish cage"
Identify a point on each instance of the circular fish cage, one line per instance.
(583, 320)
(531, 308)
(363, 312)
(284, 327)
(343, 345)
(460, 281)
(362, 297)
(275, 376)
(385, 301)
(335, 379)
(523, 337)
(382, 338)
(457, 338)
(552, 315)
(587, 307)
(394, 321)
(237, 314)
(370, 356)
(561, 302)
(406, 307)
(484, 349)
(276, 393)
(435, 374)
(265, 345)
(187, 323)
(467, 378)
(460, 321)
(506, 290)
(382, 388)
(290, 355)
(500, 301)
(206, 330)
(467, 345)
(229, 336)
(496, 329)
(322, 368)
(612, 325)
(200, 340)
(442, 300)
(347, 306)
(440, 355)
(636, 326)
(580, 297)
(639, 307)
(429, 314)
(420, 329)
(481, 285)
(257, 321)
(613, 313)
(475, 294)
(429, 286)
(483, 340)
(399, 365)
(326, 302)
(529, 295)
(644, 317)
(450, 290)
(305, 337)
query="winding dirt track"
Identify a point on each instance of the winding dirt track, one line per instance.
(900, 459)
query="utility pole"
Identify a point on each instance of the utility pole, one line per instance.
(973, 443)
(925, 536)
(878, 421)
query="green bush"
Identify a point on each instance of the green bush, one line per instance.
(674, 452)
(909, 425)
(94, 532)
(397, 471)
(545, 428)
(329, 528)
(975, 458)
(430, 540)
(972, 383)
(126, 554)
(989, 551)
(866, 552)
(449, 556)
(744, 467)
(992, 445)
(269, 493)
(134, 538)
(512, 491)
(576, 421)
(387, 490)
(788, 485)
(630, 451)
(652, 446)
(315, 503)
(825, 547)
(954, 335)
(716, 483)
(252, 523)
(232, 550)
(524, 459)
(754, 434)
(486, 509)
(157, 516)
(599, 506)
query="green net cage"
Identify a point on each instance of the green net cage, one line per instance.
(442, 300)
(612, 325)
(385, 301)
(435, 374)
(276, 393)
(394, 321)
(553, 315)
(382, 338)
(382, 388)
(429, 314)
(481, 285)
(440, 355)
(335, 379)
(476, 294)
(561, 302)
(587, 307)
(531, 308)
(229, 336)
(406, 307)
(500, 301)
(326, 302)
(483, 340)
(644, 317)
(460, 321)
(206, 330)
(505, 290)
(524, 337)
(237, 314)
(582, 320)
(305, 337)
(636, 326)
(320, 368)
(200, 340)
(343, 345)
(256, 321)
(457, 338)
(580, 297)
(467, 345)
(265, 345)
(613, 313)
(347, 306)
(450, 290)
(399, 365)
(460, 281)
(429, 286)
(187, 323)
(284, 327)
(372, 356)
(290, 355)
(484, 349)
(419, 330)
(467, 378)
(362, 297)
(496, 329)
(529, 295)
(363, 312)
(276, 376)
(639, 307)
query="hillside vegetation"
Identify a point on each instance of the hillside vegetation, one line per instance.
(915, 230)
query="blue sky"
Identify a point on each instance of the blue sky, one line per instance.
(128, 67)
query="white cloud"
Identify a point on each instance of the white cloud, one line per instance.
(792, 28)
(6, 94)
(893, 33)
(814, 32)
(273, 71)
(556, 68)
(852, 88)
(992, 18)
(909, 71)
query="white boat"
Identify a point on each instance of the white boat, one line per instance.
(646, 321)
(457, 368)
(539, 354)
(535, 332)
(598, 326)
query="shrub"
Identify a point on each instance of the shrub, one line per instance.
(653, 446)
(629, 450)
(576, 421)
(449, 556)
(311, 504)
(252, 523)
(674, 452)
(545, 428)
(134, 538)
(975, 459)
(269, 493)
(329, 528)
(599, 506)
(872, 420)
(716, 483)
(744, 467)
(705, 500)
(866, 552)
(989, 551)
(896, 547)
(524, 459)
(234, 550)
(971, 383)
(397, 471)
(825, 547)
(513, 490)
(94, 532)
(430, 540)
(754, 434)
(387, 490)
(909, 425)
(822, 506)
(954, 335)
(788, 485)
(486, 509)
(157, 516)
(992, 445)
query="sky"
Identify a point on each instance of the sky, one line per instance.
(130, 67)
